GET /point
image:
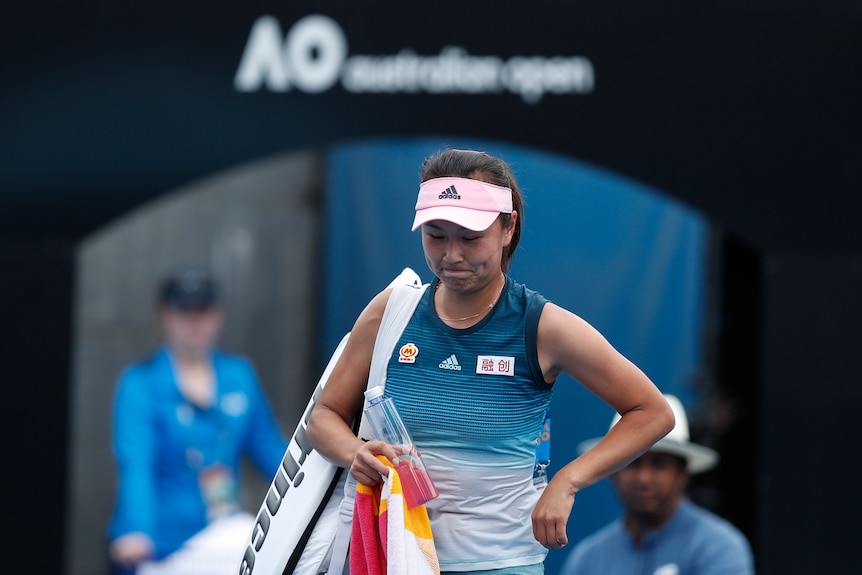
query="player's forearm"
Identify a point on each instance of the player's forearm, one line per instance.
(636, 432)
(332, 437)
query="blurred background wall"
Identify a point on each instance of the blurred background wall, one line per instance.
(257, 228)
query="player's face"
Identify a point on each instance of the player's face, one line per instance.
(651, 487)
(192, 332)
(465, 260)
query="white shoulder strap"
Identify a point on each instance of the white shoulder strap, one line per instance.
(407, 290)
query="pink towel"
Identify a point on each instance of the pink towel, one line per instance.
(387, 538)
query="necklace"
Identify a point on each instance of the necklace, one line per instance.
(475, 315)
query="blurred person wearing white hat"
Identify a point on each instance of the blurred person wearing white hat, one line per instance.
(661, 532)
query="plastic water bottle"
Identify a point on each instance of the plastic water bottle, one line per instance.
(388, 426)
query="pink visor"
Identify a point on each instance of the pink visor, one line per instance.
(469, 203)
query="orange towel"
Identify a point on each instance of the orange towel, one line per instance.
(387, 538)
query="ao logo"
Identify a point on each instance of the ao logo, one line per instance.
(313, 58)
(309, 58)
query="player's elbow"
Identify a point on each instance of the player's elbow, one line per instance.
(665, 419)
(313, 428)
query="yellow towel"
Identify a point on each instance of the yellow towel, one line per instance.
(387, 537)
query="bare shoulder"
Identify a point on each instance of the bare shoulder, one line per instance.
(349, 377)
(557, 322)
(567, 342)
(360, 344)
(369, 320)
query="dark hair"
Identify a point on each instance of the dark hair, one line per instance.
(479, 166)
(189, 288)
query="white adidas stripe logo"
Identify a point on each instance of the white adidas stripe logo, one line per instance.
(450, 362)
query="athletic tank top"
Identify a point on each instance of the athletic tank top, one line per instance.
(474, 401)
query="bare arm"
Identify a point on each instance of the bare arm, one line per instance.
(569, 344)
(329, 427)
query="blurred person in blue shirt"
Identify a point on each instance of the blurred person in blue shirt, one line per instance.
(661, 531)
(182, 420)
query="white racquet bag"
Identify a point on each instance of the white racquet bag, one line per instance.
(303, 525)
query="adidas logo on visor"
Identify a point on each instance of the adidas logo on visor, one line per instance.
(450, 362)
(449, 193)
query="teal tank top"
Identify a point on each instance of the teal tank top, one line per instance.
(475, 393)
